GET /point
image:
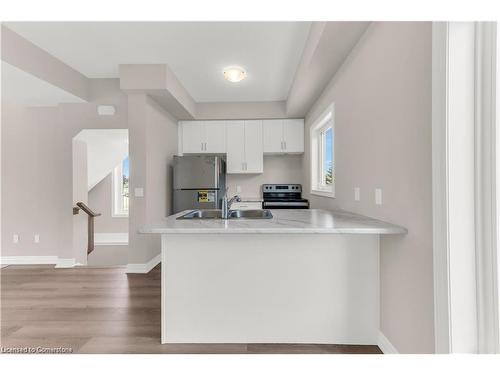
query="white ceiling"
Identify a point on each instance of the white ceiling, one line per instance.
(197, 52)
(24, 89)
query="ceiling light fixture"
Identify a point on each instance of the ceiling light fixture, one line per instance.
(234, 74)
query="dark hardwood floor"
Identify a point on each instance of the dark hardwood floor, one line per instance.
(104, 310)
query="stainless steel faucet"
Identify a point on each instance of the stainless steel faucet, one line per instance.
(226, 204)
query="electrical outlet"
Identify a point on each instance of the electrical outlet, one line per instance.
(15, 238)
(238, 189)
(378, 196)
(357, 194)
(36, 238)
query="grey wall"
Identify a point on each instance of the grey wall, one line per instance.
(100, 200)
(382, 97)
(37, 191)
(153, 142)
(277, 170)
(162, 146)
(240, 110)
(37, 194)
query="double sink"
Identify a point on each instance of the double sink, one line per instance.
(232, 214)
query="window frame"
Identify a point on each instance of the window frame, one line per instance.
(324, 122)
(117, 209)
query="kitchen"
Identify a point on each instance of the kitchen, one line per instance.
(264, 180)
(247, 257)
(282, 189)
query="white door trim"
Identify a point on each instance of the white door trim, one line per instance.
(485, 188)
(464, 204)
(442, 329)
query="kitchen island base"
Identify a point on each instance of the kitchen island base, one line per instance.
(270, 288)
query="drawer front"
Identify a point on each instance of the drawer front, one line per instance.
(246, 206)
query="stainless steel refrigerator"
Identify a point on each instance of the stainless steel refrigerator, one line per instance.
(199, 182)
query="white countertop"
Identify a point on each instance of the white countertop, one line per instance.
(283, 221)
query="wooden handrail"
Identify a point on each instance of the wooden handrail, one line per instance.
(90, 226)
(87, 210)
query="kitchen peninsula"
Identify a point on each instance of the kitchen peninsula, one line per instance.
(303, 276)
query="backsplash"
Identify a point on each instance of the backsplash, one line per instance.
(277, 170)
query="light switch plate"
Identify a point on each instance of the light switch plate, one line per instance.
(15, 238)
(238, 189)
(378, 196)
(36, 238)
(139, 192)
(357, 194)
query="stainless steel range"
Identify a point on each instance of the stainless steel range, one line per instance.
(283, 196)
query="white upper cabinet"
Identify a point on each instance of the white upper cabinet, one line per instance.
(193, 136)
(215, 137)
(235, 131)
(293, 135)
(254, 155)
(203, 137)
(244, 141)
(283, 136)
(273, 136)
(244, 147)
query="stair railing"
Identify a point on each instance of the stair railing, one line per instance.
(90, 227)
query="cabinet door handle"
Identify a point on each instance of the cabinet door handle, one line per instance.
(201, 146)
(205, 146)
(284, 143)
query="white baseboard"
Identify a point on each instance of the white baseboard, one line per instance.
(385, 345)
(65, 263)
(19, 260)
(34, 260)
(144, 267)
(111, 239)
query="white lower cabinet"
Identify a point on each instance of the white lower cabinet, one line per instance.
(244, 147)
(247, 205)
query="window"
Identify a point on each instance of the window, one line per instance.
(322, 155)
(121, 189)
